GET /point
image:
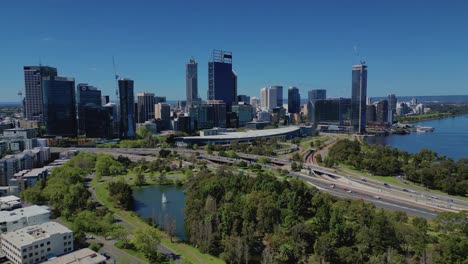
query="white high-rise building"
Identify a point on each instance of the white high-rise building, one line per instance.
(37, 243)
(23, 217)
(264, 98)
(254, 102)
(272, 100)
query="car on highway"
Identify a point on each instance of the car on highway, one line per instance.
(386, 185)
(363, 179)
(376, 197)
(405, 190)
(332, 185)
(349, 191)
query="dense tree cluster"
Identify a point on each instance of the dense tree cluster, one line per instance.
(264, 220)
(121, 193)
(425, 167)
(264, 147)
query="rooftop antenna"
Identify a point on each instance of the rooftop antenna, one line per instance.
(116, 76)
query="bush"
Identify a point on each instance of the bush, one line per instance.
(95, 246)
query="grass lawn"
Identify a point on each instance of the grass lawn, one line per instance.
(183, 249)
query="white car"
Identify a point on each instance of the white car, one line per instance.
(376, 197)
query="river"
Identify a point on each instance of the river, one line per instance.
(450, 138)
(147, 201)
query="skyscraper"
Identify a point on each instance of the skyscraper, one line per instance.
(294, 100)
(278, 90)
(87, 96)
(317, 94)
(392, 105)
(234, 87)
(382, 111)
(162, 111)
(191, 81)
(243, 98)
(33, 76)
(145, 106)
(272, 100)
(127, 109)
(59, 106)
(264, 98)
(105, 100)
(358, 98)
(254, 102)
(221, 78)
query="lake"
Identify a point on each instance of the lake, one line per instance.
(148, 202)
(450, 138)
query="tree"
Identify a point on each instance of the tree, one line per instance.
(140, 179)
(146, 240)
(195, 147)
(318, 157)
(122, 193)
(170, 226)
(121, 233)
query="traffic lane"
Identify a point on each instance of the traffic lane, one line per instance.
(382, 202)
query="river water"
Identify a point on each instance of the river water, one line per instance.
(147, 201)
(450, 138)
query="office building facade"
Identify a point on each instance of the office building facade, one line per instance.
(254, 102)
(221, 78)
(162, 111)
(127, 109)
(392, 105)
(294, 100)
(358, 98)
(87, 97)
(278, 90)
(145, 106)
(33, 100)
(272, 99)
(264, 98)
(317, 94)
(191, 81)
(59, 106)
(381, 111)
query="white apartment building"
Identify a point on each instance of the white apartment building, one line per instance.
(37, 243)
(23, 217)
(82, 256)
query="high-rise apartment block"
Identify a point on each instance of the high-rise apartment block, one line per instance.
(358, 98)
(33, 100)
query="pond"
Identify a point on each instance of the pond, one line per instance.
(148, 203)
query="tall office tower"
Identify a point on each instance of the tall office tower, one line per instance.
(162, 111)
(191, 81)
(115, 120)
(86, 96)
(272, 100)
(145, 106)
(294, 100)
(381, 111)
(105, 100)
(221, 78)
(243, 98)
(254, 102)
(234, 87)
(59, 106)
(279, 96)
(264, 98)
(358, 98)
(392, 105)
(33, 100)
(310, 111)
(219, 112)
(317, 94)
(127, 109)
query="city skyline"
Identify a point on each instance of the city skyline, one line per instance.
(311, 50)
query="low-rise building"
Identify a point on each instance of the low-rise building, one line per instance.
(82, 256)
(9, 202)
(37, 243)
(23, 217)
(28, 178)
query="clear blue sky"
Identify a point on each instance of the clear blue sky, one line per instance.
(411, 47)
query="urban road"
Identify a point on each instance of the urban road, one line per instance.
(414, 203)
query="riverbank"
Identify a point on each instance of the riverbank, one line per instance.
(425, 117)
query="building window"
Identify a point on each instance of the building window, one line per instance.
(48, 242)
(42, 244)
(48, 249)
(24, 249)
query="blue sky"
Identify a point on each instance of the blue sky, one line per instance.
(411, 47)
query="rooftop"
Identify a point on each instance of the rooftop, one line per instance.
(9, 198)
(8, 216)
(83, 256)
(27, 235)
(250, 133)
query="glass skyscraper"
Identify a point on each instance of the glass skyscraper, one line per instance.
(33, 101)
(317, 94)
(86, 96)
(59, 106)
(221, 78)
(145, 107)
(294, 100)
(358, 98)
(127, 109)
(279, 96)
(191, 80)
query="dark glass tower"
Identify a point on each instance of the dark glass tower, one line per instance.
(317, 94)
(86, 96)
(191, 81)
(220, 78)
(279, 95)
(127, 109)
(382, 111)
(33, 75)
(392, 103)
(358, 98)
(145, 107)
(294, 100)
(59, 106)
